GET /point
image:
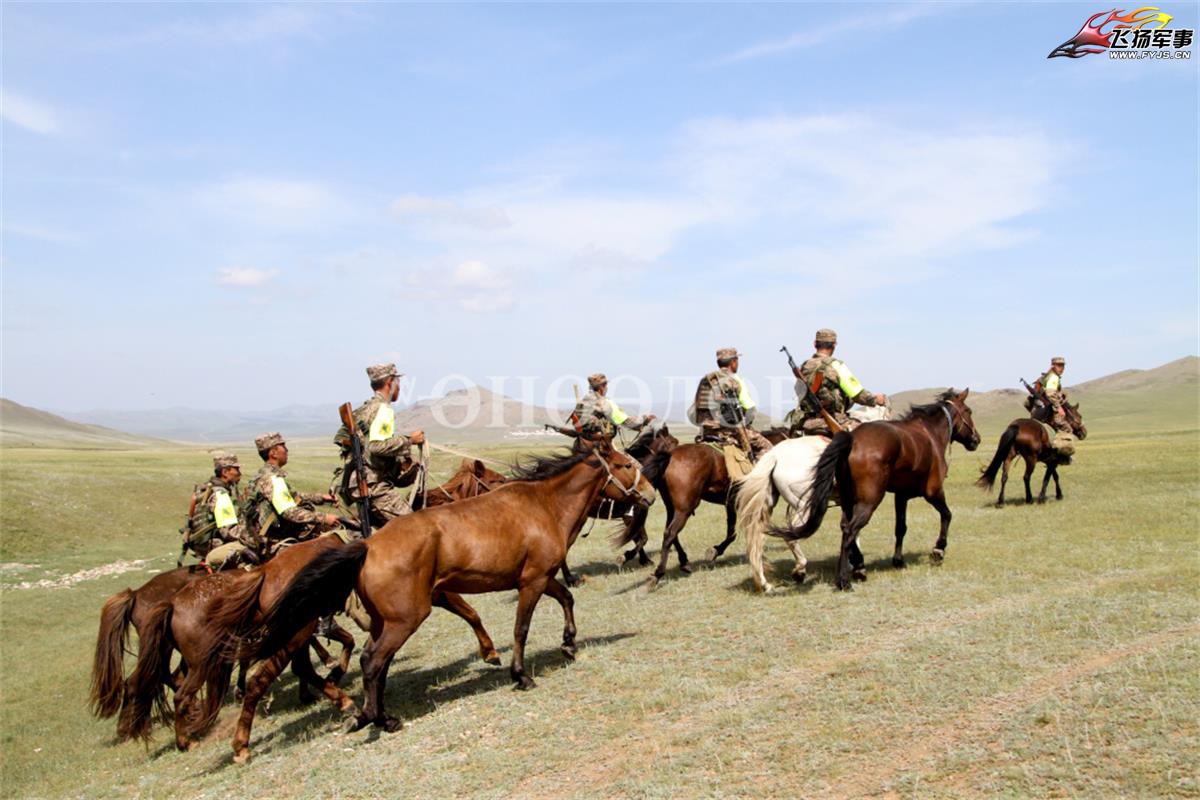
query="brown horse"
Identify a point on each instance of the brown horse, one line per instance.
(1028, 439)
(473, 478)
(201, 620)
(906, 457)
(685, 476)
(513, 537)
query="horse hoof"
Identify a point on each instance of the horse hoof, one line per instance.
(685, 569)
(767, 588)
(937, 556)
(335, 675)
(354, 722)
(898, 563)
(652, 583)
(844, 586)
(1041, 501)
(799, 575)
(390, 724)
(568, 650)
(307, 698)
(644, 560)
(242, 756)
(492, 658)
(859, 574)
(711, 554)
(524, 684)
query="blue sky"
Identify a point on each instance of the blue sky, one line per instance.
(243, 205)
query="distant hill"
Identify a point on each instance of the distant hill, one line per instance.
(444, 418)
(22, 426)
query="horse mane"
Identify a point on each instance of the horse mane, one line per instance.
(931, 409)
(540, 468)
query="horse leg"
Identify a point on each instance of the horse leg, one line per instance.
(938, 501)
(684, 567)
(264, 676)
(568, 578)
(344, 637)
(670, 538)
(1030, 463)
(563, 595)
(902, 528)
(185, 698)
(322, 654)
(641, 538)
(304, 671)
(375, 660)
(459, 607)
(527, 601)
(730, 530)
(1058, 495)
(1045, 482)
(298, 660)
(1008, 459)
(243, 668)
(800, 571)
(851, 525)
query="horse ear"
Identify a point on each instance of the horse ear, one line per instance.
(964, 394)
(479, 469)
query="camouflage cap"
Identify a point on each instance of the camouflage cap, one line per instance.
(223, 460)
(1058, 361)
(267, 441)
(381, 372)
(597, 380)
(727, 354)
(826, 336)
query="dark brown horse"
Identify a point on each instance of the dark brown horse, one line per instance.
(1029, 439)
(515, 537)
(906, 457)
(201, 620)
(686, 475)
(473, 478)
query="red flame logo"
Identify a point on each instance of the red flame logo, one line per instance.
(1093, 39)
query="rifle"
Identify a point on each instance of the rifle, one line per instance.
(565, 431)
(729, 403)
(1036, 391)
(346, 412)
(578, 423)
(810, 392)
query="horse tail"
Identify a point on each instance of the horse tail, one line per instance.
(145, 696)
(830, 463)
(988, 477)
(656, 467)
(755, 500)
(108, 665)
(321, 588)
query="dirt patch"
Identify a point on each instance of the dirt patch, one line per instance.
(66, 581)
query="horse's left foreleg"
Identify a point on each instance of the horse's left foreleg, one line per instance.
(902, 528)
(938, 501)
(302, 666)
(1058, 495)
(1045, 482)
(800, 571)
(459, 607)
(264, 676)
(852, 523)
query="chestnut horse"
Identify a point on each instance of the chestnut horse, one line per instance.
(906, 457)
(473, 478)
(1029, 439)
(515, 537)
(201, 620)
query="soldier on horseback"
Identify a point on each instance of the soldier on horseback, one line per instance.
(279, 513)
(1047, 403)
(724, 409)
(836, 391)
(389, 463)
(216, 530)
(599, 416)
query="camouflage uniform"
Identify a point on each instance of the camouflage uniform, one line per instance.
(223, 512)
(599, 416)
(280, 517)
(839, 390)
(387, 454)
(1051, 385)
(724, 383)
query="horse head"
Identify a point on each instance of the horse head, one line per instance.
(1075, 420)
(625, 478)
(962, 426)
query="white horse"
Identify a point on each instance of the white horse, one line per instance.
(786, 470)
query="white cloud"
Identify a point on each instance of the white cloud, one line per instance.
(434, 210)
(479, 287)
(28, 114)
(244, 277)
(275, 203)
(265, 24)
(810, 37)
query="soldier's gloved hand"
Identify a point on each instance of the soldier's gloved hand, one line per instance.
(330, 519)
(417, 437)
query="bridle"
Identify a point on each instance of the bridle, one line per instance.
(628, 490)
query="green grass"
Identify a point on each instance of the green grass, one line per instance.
(1055, 653)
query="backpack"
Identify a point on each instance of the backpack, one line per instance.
(199, 526)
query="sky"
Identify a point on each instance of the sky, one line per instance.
(243, 205)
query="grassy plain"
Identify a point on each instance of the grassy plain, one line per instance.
(1055, 653)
